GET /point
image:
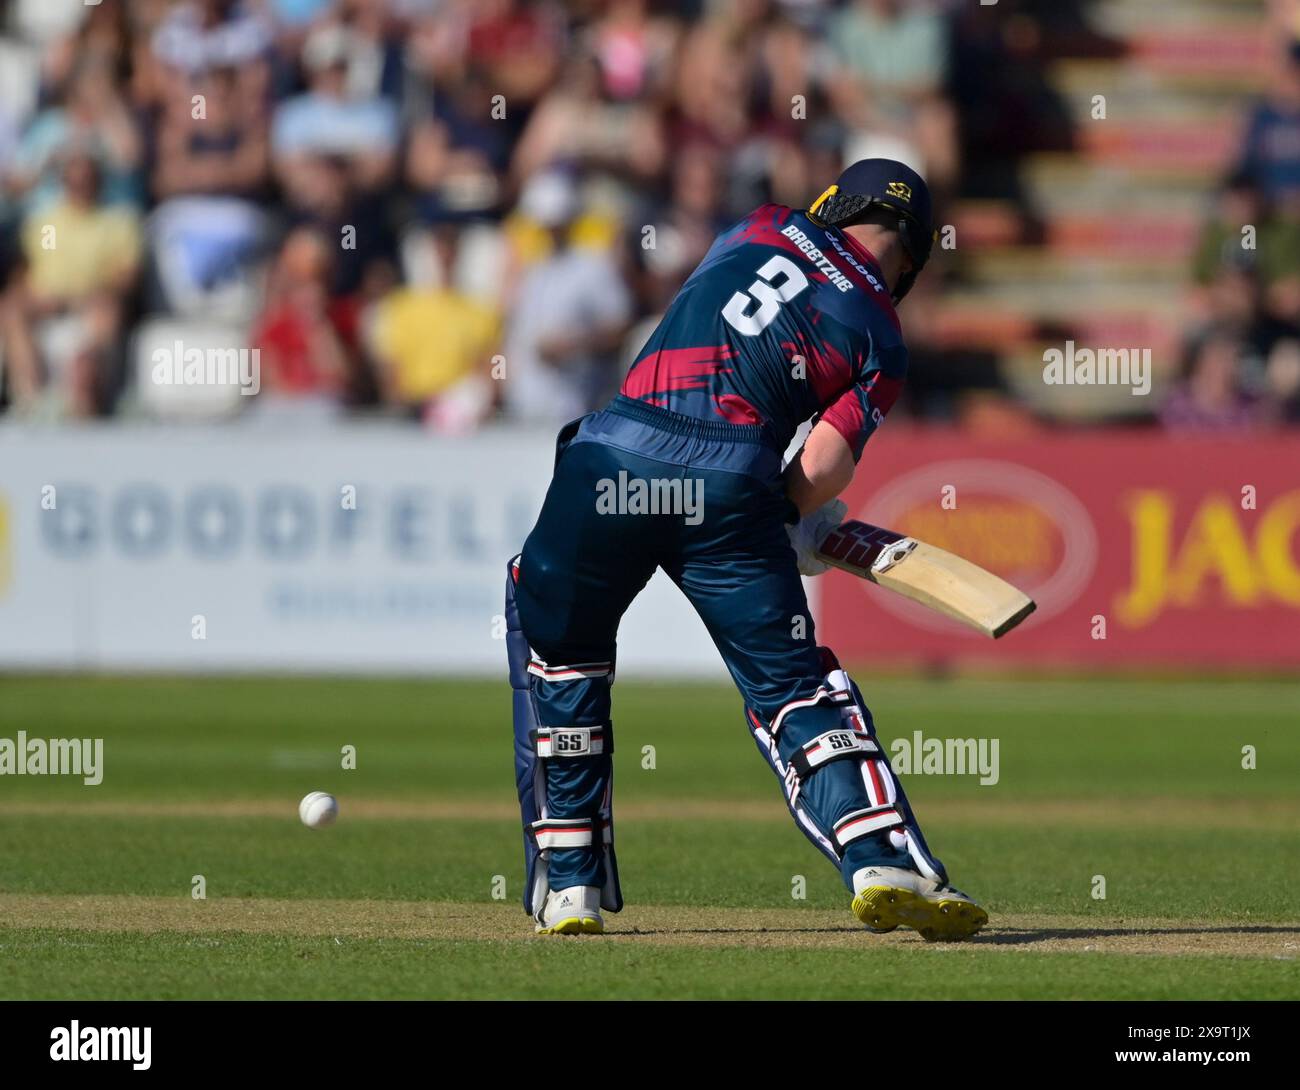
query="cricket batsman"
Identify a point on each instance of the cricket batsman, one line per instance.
(789, 317)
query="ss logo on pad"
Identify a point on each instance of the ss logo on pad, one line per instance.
(569, 741)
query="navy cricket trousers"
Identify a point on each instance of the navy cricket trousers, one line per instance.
(585, 561)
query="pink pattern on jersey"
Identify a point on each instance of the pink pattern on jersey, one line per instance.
(736, 410)
(829, 372)
(849, 414)
(677, 369)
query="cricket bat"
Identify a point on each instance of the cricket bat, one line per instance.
(927, 574)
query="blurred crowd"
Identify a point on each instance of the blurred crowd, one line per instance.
(1241, 360)
(453, 210)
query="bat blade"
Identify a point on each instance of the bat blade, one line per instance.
(935, 578)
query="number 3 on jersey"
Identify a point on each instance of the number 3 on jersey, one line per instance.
(750, 312)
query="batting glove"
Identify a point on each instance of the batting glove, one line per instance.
(810, 531)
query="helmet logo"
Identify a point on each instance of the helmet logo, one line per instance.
(901, 190)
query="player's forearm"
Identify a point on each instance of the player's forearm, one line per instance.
(820, 471)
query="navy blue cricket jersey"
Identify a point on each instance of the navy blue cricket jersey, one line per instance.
(783, 319)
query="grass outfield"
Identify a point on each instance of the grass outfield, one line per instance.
(1138, 782)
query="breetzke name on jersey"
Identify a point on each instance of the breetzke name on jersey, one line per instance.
(825, 264)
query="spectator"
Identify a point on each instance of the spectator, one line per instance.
(334, 155)
(1211, 395)
(570, 312)
(374, 49)
(190, 40)
(577, 124)
(331, 119)
(695, 209)
(458, 154)
(62, 316)
(220, 150)
(434, 345)
(212, 174)
(92, 115)
(1283, 380)
(1235, 301)
(1270, 250)
(1271, 150)
(716, 71)
(1238, 204)
(103, 40)
(203, 34)
(307, 341)
(634, 50)
(893, 61)
(518, 47)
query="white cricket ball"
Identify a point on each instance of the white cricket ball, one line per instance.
(318, 809)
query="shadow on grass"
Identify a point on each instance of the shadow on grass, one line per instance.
(642, 932)
(1017, 936)
(1008, 936)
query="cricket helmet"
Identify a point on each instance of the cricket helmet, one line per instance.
(872, 184)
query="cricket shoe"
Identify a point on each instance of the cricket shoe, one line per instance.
(890, 897)
(572, 911)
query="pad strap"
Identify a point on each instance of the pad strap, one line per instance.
(551, 742)
(834, 745)
(577, 671)
(570, 832)
(860, 823)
